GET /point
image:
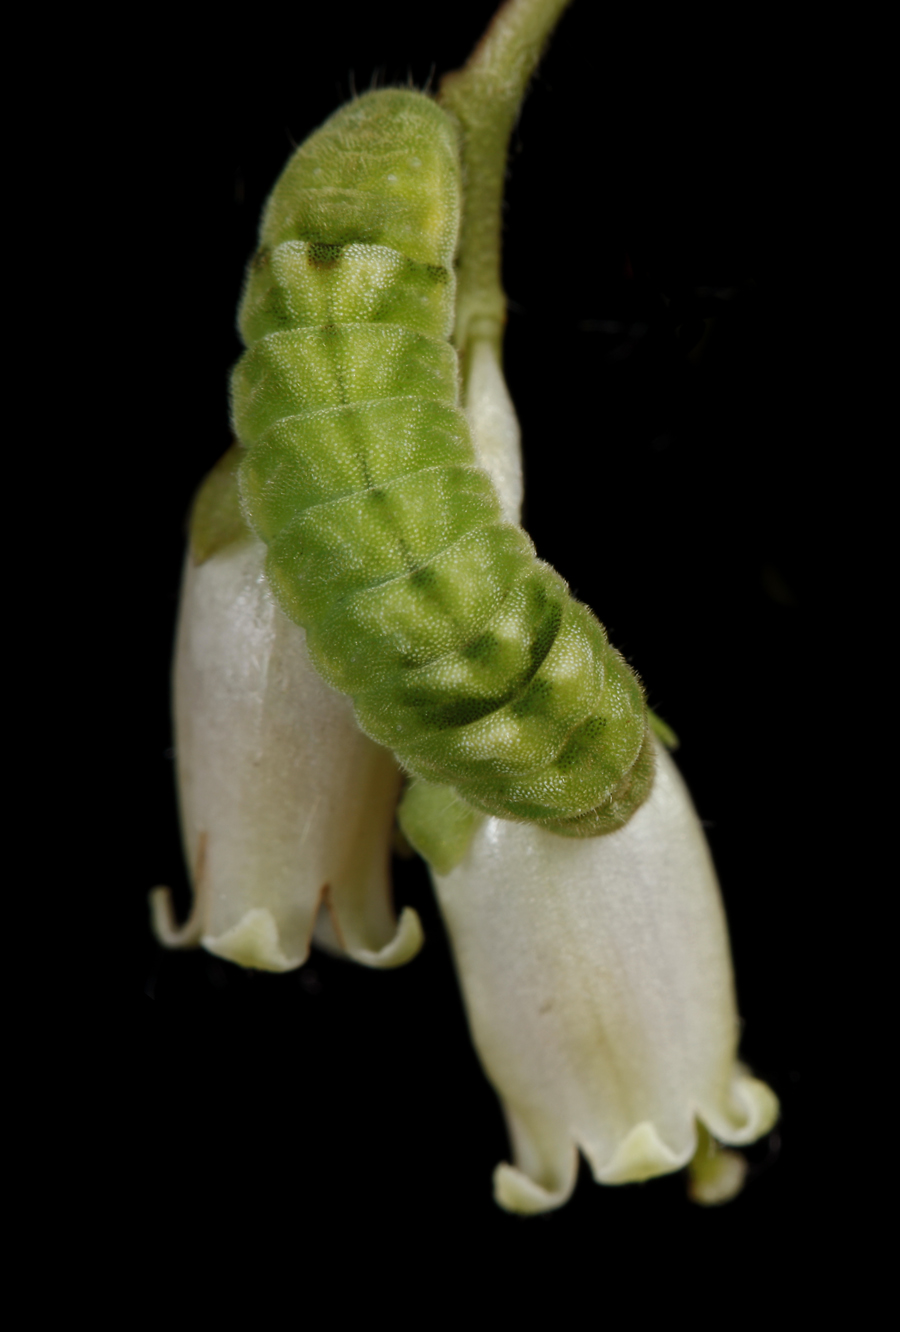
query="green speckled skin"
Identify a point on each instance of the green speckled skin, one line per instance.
(462, 651)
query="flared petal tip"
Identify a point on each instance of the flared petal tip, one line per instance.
(164, 924)
(406, 942)
(253, 942)
(763, 1107)
(515, 1191)
(751, 1112)
(641, 1155)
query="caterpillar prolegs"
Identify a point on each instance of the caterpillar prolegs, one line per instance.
(462, 651)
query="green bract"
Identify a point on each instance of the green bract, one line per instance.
(462, 652)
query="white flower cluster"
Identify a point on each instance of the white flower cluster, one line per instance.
(596, 972)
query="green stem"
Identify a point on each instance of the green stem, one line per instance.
(485, 96)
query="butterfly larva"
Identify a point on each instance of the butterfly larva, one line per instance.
(462, 651)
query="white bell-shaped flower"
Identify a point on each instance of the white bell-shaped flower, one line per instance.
(287, 809)
(597, 978)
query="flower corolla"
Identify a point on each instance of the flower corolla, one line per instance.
(597, 979)
(287, 809)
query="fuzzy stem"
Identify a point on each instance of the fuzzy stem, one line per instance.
(485, 96)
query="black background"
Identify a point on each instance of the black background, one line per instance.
(655, 183)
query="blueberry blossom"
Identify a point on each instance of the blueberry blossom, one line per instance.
(597, 980)
(287, 809)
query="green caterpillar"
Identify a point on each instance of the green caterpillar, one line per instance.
(462, 651)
